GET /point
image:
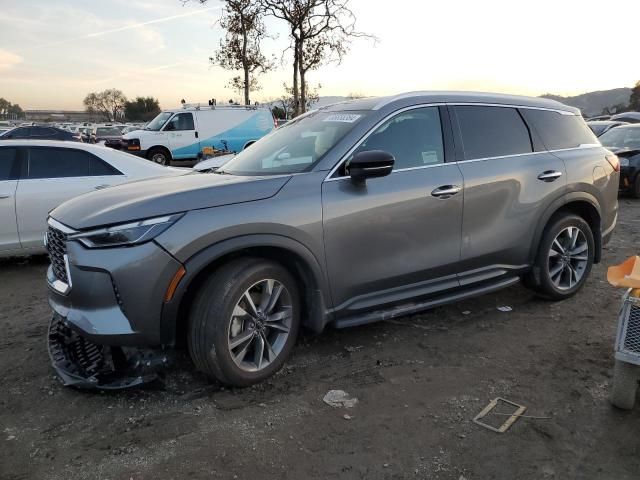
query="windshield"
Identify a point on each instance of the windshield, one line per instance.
(157, 123)
(622, 137)
(296, 146)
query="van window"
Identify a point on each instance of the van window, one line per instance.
(180, 121)
(492, 132)
(559, 131)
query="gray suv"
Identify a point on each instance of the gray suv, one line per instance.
(356, 212)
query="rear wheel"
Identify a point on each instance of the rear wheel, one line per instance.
(159, 156)
(564, 258)
(244, 322)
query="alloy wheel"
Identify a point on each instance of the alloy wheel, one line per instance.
(568, 258)
(260, 325)
(158, 158)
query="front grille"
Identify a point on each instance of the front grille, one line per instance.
(57, 248)
(632, 337)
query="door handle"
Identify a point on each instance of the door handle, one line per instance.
(100, 187)
(2, 197)
(196, 134)
(446, 191)
(549, 175)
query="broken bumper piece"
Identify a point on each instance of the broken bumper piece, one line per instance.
(81, 363)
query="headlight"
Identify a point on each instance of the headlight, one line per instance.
(132, 233)
(624, 162)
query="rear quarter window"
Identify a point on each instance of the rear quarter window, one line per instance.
(558, 131)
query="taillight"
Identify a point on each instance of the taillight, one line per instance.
(614, 162)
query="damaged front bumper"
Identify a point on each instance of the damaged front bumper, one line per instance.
(82, 363)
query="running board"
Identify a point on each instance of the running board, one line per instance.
(410, 308)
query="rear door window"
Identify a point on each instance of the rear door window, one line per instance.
(558, 131)
(8, 164)
(492, 131)
(66, 162)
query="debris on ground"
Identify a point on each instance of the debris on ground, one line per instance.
(505, 308)
(339, 398)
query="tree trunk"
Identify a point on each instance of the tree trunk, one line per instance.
(296, 95)
(303, 83)
(245, 65)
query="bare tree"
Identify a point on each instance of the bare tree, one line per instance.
(109, 103)
(320, 31)
(240, 48)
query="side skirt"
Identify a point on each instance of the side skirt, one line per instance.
(413, 307)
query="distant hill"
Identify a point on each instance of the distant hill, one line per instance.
(593, 103)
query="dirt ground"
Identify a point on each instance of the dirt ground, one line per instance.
(419, 380)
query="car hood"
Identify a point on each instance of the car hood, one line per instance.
(163, 196)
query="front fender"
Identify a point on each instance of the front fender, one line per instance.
(318, 317)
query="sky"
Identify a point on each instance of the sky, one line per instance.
(54, 52)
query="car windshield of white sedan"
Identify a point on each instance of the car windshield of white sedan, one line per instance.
(157, 123)
(622, 137)
(296, 146)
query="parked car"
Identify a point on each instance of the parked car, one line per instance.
(130, 128)
(601, 126)
(85, 132)
(36, 176)
(349, 214)
(625, 143)
(599, 118)
(182, 134)
(210, 164)
(629, 117)
(40, 133)
(108, 136)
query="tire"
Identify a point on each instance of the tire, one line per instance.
(159, 156)
(575, 266)
(625, 385)
(635, 191)
(217, 320)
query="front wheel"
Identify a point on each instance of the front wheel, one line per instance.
(159, 156)
(244, 322)
(564, 258)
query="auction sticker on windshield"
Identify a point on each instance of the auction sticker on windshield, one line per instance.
(342, 117)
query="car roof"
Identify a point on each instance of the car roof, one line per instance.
(629, 125)
(377, 103)
(27, 142)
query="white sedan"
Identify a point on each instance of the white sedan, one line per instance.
(36, 176)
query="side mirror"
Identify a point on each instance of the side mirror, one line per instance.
(370, 164)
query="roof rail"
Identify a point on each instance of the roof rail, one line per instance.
(206, 106)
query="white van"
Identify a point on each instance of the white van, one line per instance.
(181, 134)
